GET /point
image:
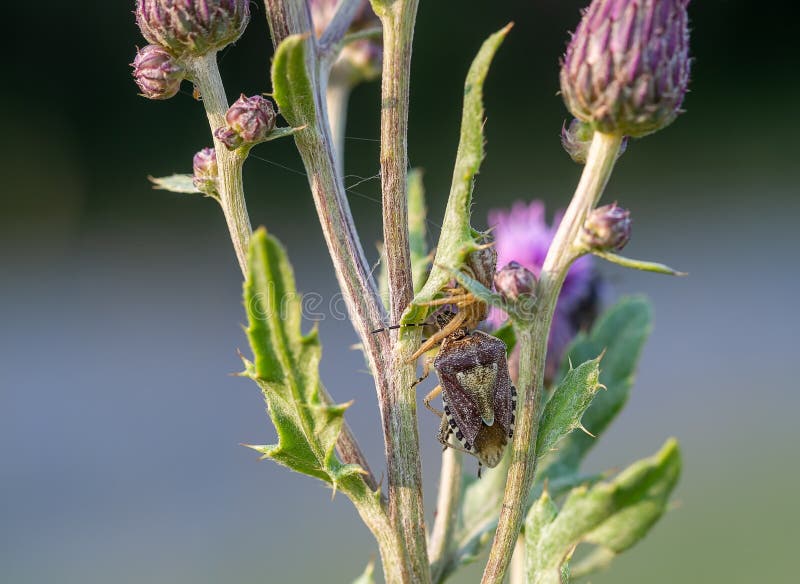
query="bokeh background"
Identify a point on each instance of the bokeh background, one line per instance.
(120, 306)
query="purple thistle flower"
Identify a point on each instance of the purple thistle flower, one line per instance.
(522, 235)
(626, 69)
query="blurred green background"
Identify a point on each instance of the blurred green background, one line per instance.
(120, 306)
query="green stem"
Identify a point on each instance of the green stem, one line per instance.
(338, 98)
(398, 33)
(440, 547)
(532, 341)
(205, 75)
(403, 460)
(517, 568)
(374, 515)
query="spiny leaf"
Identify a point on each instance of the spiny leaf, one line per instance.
(621, 332)
(175, 183)
(368, 576)
(278, 133)
(286, 368)
(564, 410)
(456, 239)
(541, 514)
(642, 265)
(614, 514)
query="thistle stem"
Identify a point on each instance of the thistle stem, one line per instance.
(374, 515)
(532, 338)
(315, 144)
(447, 508)
(517, 569)
(338, 98)
(403, 461)
(205, 75)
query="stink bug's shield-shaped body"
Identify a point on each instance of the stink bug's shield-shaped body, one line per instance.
(479, 399)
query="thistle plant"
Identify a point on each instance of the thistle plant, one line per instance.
(624, 75)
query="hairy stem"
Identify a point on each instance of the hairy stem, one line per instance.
(205, 75)
(374, 515)
(315, 144)
(532, 340)
(403, 462)
(440, 547)
(398, 33)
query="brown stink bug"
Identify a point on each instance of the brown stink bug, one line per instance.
(478, 397)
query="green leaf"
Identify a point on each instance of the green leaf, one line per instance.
(286, 368)
(621, 332)
(638, 264)
(291, 86)
(456, 239)
(540, 516)
(176, 183)
(614, 514)
(507, 334)
(368, 576)
(282, 133)
(417, 215)
(565, 408)
(481, 503)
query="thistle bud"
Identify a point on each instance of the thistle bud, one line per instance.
(515, 281)
(577, 138)
(205, 169)
(626, 69)
(192, 26)
(157, 73)
(249, 121)
(607, 228)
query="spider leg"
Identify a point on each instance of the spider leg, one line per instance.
(455, 324)
(428, 398)
(426, 370)
(453, 299)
